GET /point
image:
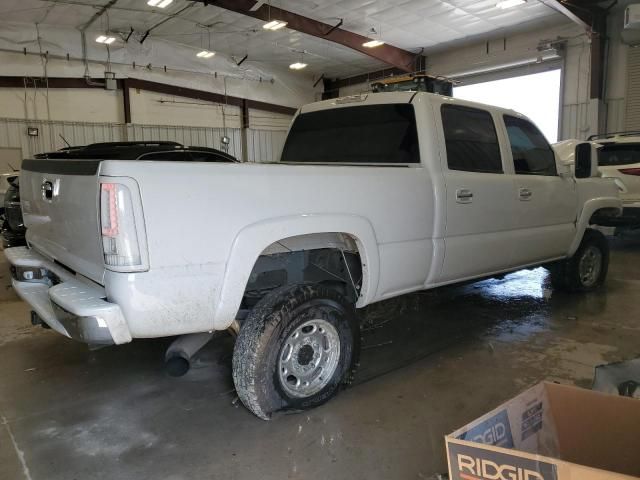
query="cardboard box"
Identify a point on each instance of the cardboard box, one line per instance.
(550, 432)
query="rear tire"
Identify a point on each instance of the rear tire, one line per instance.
(587, 269)
(295, 350)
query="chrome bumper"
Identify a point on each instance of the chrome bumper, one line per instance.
(75, 308)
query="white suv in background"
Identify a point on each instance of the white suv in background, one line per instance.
(619, 158)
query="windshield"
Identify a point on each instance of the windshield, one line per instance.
(361, 134)
(619, 154)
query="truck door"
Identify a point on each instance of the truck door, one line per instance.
(546, 203)
(479, 196)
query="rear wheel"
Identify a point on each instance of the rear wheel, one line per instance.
(295, 349)
(587, 269)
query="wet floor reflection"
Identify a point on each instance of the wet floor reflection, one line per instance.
(400, 331)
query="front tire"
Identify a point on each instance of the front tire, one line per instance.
(587, 269)
(295, 350)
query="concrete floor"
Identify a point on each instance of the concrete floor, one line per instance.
(431, 362)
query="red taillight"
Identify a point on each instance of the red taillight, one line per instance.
(110, 219)
(120, 238)
(630, 171)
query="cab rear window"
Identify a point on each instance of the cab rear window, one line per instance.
(383, 134)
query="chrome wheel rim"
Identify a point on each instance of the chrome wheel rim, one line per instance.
(309, 358)
(590, 266)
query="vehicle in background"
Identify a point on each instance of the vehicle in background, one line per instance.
(157, 151)
(619, 159)
(13, 229)
(12, 225)
(4, 183)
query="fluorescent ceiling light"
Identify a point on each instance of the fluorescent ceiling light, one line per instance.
(106, 40)
(205, 54)
(373, 43)
(297, 66)
(504, 4)
(159, 3)
(274, 25)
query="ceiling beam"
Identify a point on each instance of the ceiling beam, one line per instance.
(97, 15)
(388, 54)
(582, 16)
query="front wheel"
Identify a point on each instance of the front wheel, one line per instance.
(587, 269)
(295, 349)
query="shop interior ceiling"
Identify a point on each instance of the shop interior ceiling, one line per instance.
(413, 25)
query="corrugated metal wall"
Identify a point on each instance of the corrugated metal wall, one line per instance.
(632, 112)
(263, 145)
(575, 120)
(615, 115)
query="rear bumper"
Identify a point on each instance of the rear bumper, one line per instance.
(74, 307)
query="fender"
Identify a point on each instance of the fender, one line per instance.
(589, 208)
(253, 239)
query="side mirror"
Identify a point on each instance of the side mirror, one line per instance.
(583, 161)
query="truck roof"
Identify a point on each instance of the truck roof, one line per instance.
(369, 98)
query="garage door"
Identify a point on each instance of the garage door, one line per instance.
(541, 102)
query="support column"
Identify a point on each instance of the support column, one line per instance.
(244, 126)
(127, 100)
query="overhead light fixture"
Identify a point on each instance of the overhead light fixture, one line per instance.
(373, 43)
(105, 39)
(297, 66)
(504, 4)
(274, 25)
(159, 3)
(205, 54)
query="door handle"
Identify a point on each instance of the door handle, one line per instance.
(464, 196)
(525, 194)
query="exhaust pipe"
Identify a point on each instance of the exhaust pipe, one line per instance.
(179, 354)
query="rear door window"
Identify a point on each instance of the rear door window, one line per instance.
(471, 140)
(384, 134)
(532, 154)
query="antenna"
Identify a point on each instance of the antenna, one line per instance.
(65, 140)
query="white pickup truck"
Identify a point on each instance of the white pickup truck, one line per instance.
(374, 196)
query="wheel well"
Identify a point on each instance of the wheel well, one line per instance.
(332, 259)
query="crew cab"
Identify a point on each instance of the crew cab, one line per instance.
(374, 196)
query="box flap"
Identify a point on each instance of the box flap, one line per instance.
(596, 429)
(524, 423)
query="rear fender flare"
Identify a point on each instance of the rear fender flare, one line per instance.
(252, 240)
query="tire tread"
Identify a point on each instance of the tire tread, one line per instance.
(251, 343)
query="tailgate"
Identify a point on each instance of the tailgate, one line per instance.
(60, 207)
